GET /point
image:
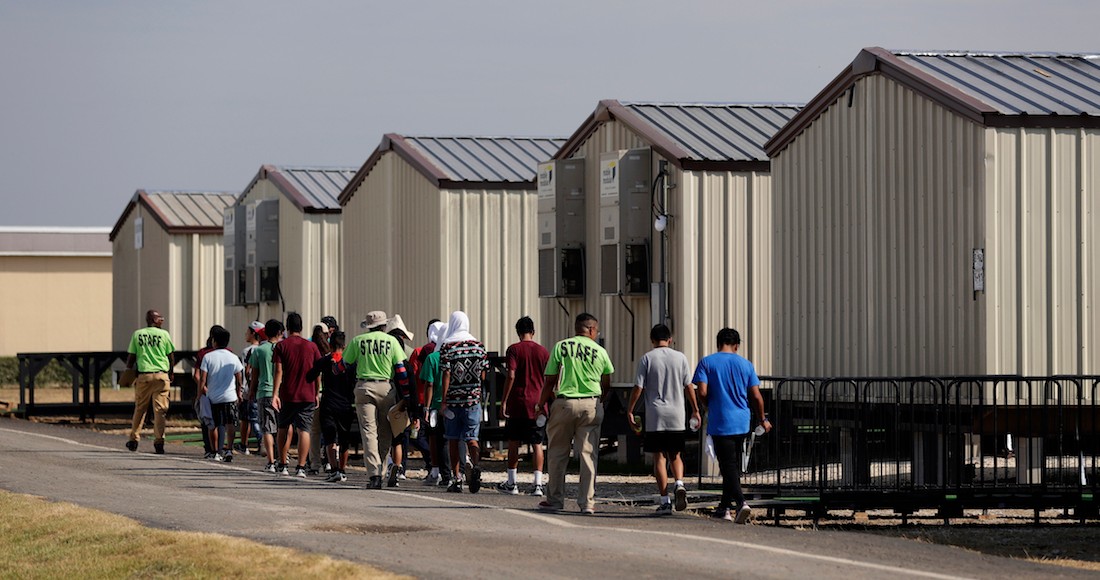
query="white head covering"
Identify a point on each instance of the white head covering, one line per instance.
(458, 329)
(437, 332)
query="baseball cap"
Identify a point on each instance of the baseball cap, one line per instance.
(330, 321)
(258, 328)
(374, 318)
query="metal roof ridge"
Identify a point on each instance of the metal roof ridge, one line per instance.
(739, 104)
(995, 53)
(486, 137)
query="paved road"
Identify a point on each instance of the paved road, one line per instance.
(426, 533)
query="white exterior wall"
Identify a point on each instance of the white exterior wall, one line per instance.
(1043, 251)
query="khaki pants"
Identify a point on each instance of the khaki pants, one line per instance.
(373, 400)
(573, 423)
(150, 387)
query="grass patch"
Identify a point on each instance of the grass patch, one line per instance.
(43, 539)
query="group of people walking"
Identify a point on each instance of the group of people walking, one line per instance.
(430, 398)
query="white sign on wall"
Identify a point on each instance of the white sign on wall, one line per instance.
(139, 235)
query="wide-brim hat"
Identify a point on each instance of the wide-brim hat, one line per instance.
(374, 318)
(397, 324)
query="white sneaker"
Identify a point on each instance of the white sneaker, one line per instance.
(681, 496)
(538, 491)
(270, 468)
(508, 488)
(744, 514)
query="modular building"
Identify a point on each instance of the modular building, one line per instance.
(167, 248)
(55, 289)
(662, 212)
(936, 214)
(436, 224)
(282, 244)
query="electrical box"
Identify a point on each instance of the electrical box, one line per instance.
(625, 221)
(262, 251)
(234, 243)
(561, 227)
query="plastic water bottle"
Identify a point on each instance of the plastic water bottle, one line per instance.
(638, 424)
(759, 430)
(449, 414)
(433, 418)
(414, 432)
(693, 424)
(540, 421)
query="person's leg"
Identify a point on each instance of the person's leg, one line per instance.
(384, 396)
(368, 428)
(559, 430)
(245, 428)
(677, 466)
(284, 442)
(143, 395)
(727, 449)
(316, 458)
(661, 473)
(513, 454)
(304, 427)
(160, 406)
(587, 436)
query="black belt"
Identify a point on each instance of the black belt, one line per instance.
(578, 398)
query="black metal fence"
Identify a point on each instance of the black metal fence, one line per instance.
(908, 443)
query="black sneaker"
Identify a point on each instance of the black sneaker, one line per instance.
(391, 476)
(158, 448)
(455, 486)
(131, 445)
(475, 479)
(375, 482)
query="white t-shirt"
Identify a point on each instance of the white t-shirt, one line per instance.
(221, 366)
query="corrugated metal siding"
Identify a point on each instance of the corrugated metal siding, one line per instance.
(721, 259)
(1042, 255)
(488, 159)
(877, 210)
(1016, 83)
(717, 132)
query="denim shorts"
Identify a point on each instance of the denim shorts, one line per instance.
(465, 425)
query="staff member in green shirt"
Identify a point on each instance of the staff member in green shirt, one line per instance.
(378, 358)
(151, 355)
(578, 381)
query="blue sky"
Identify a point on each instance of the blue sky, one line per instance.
(100, 98)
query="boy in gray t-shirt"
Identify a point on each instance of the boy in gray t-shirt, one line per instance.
(664, 377)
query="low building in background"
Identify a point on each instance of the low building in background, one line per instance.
(168, 256)
(55, 289)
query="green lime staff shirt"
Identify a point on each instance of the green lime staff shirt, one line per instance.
(429, 373)
(581, 363)
(374, 355)
(261, 362)
(151, 347)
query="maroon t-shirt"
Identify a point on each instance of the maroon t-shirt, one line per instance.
(296, 355)
(528, 358)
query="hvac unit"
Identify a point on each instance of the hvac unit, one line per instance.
(234, 241)
(262, 251)
(625, 221)
(561, 228)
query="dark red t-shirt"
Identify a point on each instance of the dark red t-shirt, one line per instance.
(528, 358)
(296, 355)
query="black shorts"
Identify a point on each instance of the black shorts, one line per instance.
(524, 430)
(224, 413)
(298, 415)
(670, 442)
(336, 426)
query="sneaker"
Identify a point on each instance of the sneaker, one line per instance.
(432, 479)
(328, 467)
(681, 495)
(158, 448)
(467, 471)
(538, 491)
(218, 457)
(210, 455)
(282, 470)
(270, 468)
(588, 511)
(455, 486)
(336, 477)
(744, 514)
(391, 475)
(445, 479)
(227, 457)
(375, 482)
(313, 471)
(508, 488)
(664, 509)
(401, 474)
(300, 472)
(131, 445)
(475, 479)
(722, 514)
(546, 506)
(239, 448)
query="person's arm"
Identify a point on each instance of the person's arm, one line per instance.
(131, 361)
(202, 381)
(240, 385)
(171, 367)
(276, 381)
(253, 383)
(446, 385)
(635, 394)
(605, 388)
(758, 404)
(508, 382)
(547, 395)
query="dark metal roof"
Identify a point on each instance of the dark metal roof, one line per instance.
(486, 159)
(1018, 83)
(508, 163)
(1050, 90)
(181, 212)
(310, 189)
(695, 136)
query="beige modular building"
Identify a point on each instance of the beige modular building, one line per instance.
(701, 170)
(55, 290)
(936, 214)
(167, 248)
(296, 230)
(436, 224)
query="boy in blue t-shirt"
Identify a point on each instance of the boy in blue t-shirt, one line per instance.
(727, 381)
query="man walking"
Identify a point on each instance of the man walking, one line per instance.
(664, 377)
(462, 362)
(221, 377)
(727, 382)
(295, 396)
(151, 356)
(578, 381)
(526, 362)
(263, 388)
(378, 358)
